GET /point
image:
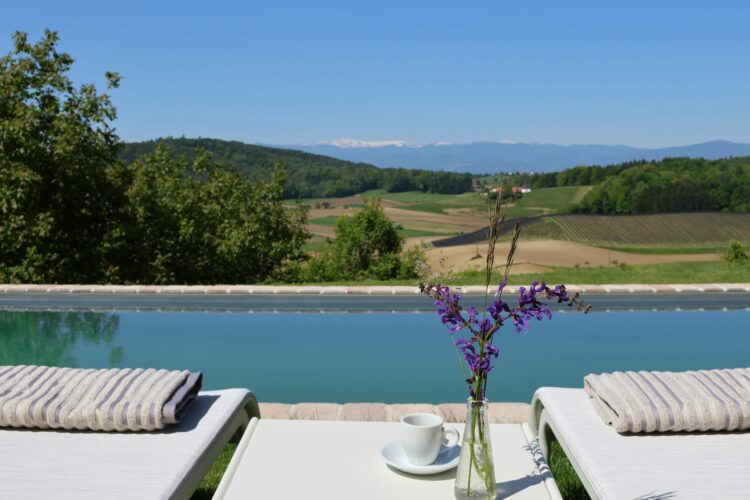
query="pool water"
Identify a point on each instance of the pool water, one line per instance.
(378, 356)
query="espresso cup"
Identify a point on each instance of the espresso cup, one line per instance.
(422, 434)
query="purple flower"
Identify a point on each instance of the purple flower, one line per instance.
(491, 350)
(500, 287)
(486, 327)
(476, 347)
(497, 308)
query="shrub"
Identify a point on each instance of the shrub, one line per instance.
(201, 222)
(736, 253)
(367, 246)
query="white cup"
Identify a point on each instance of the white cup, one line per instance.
(422, 434)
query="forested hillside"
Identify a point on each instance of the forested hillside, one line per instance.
(670, 185)
(310, 175)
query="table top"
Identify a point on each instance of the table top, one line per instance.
(317, 459)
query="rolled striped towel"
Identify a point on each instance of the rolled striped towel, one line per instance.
(703, 400)
(87, 399)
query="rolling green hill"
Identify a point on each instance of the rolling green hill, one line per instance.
(669, 185)
(310, 175)
(547, 201)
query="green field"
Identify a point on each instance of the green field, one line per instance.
(540, 201)
(547, 200)
(406, 232)
(439, 203)
(683, 233)
(413, 196)
(328, 220)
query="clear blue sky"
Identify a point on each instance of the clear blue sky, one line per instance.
(645, 73)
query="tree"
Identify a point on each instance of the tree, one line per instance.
(367, 245)
(58, 204)
(367, 237)
(70, 211)
(51, 338)
(202, 222)
(309, 175)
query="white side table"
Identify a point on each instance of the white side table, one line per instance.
(334, 459)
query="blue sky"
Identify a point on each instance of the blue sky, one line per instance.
(643, 73)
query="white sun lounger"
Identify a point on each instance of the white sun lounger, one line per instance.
(60, 465)
(640, 466)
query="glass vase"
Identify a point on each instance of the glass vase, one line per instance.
(475, 477)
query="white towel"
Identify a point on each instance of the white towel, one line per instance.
(704, 400)
(70, 398)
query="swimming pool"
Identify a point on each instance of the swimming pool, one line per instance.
(386, 349)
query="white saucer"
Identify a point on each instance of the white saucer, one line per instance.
(394, 455)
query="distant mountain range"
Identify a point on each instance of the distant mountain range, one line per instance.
(491, 157)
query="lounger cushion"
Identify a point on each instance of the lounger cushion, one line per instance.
(45, 464)
(617, 466)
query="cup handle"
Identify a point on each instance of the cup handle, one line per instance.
(450, 437)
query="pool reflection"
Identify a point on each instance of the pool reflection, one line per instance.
(51, 338)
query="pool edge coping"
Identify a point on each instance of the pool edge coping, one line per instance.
(349, 290)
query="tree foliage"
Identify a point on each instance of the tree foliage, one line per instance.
(310, 175)
(200, 222)
(367, 246)
(58, 205)
(51, 338)
(71, 211)
(673, 185)
(736, 253)
(669, 185)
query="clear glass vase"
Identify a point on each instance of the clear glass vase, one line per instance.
(475, 477)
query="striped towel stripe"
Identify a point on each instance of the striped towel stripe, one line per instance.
(701, 401)
(86, 399)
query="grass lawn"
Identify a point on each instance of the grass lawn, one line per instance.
(539, 201)
(566, 478)
(664, 250)
(209, 484)
(652, 274)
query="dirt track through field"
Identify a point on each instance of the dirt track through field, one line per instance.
(539, 254)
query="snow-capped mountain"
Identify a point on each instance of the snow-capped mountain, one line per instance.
(489, 157)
